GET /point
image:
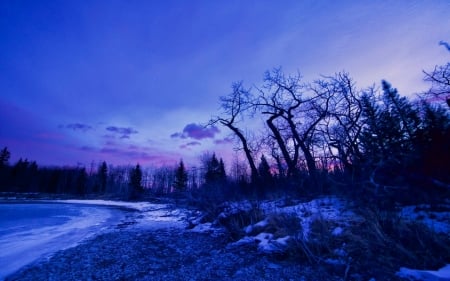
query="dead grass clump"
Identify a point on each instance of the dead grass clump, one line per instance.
(234, 223)
(319, 245)
(282, 225)
(384, 242)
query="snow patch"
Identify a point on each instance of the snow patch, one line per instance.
(425, 275)
(436, 221)
(203, 228)
(337, 231)
(140, 206)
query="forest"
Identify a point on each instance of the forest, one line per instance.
(313, 138)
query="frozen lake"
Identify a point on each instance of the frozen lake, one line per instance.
(29, 231)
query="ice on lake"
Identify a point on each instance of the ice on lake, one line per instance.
(29, 231)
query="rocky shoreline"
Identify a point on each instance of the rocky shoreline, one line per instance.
(165, 254)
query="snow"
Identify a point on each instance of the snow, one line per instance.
(140, 206)
(150, 215)
(337, 231)
(425, 275)
(437, 221)
(326, 209)
(203, 228)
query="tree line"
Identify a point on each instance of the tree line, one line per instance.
(127, 182)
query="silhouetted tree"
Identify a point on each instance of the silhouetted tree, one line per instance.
(440, 84)
(293, 117)
(266, 179)
(215, 171)
(81, 181)
(235, 106)
(432, 144)
(4, 157)
(181, 177)
(136, 182)
(103, 176)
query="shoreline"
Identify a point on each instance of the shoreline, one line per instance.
(24, 246)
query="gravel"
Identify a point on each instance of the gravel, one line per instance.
(166, 254)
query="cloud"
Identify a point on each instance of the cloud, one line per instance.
(122, 131)
(135, 154)
(87, 148)
(197, 132)
(77, 127)
(226, 140)
(178, 135)
(189, 144)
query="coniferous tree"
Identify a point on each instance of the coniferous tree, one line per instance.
(4, 157)
(265, 176)
(103, 176)
(264, 170)
(136, 181)
(433, 143)
(4, 169)
(215, 171)
(222, 173)
(81, 181)
(181, 177)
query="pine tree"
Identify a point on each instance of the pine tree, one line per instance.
(215, 171)
(103, 176)
(264, 170)
(181, 177)
(136, 181)
(222, 173)
(4, 157)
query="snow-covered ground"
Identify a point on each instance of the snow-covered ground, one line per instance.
(329, 209)
(442, 274)
(431, 216)
(79, 219)
(150, 215)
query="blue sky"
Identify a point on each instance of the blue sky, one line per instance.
(131, 81)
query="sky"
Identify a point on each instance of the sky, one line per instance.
(134, 81)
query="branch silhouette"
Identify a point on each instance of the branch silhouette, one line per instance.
(445, 44)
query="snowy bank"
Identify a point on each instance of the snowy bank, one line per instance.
(442, 274)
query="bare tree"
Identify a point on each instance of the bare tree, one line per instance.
(292, 117)
(440, 83)
(343, 122)
(234, 106)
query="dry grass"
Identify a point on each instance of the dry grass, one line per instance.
(376, 246)
(384, 242)
(234, 223)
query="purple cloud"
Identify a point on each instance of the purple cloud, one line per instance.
(226, 140)
(77, 127)
(87, 148)
(177, 135)
(197, 132)
(189, 144)
(122, 131)
(136, 154)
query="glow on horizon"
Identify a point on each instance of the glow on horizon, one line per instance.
(115, 81)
